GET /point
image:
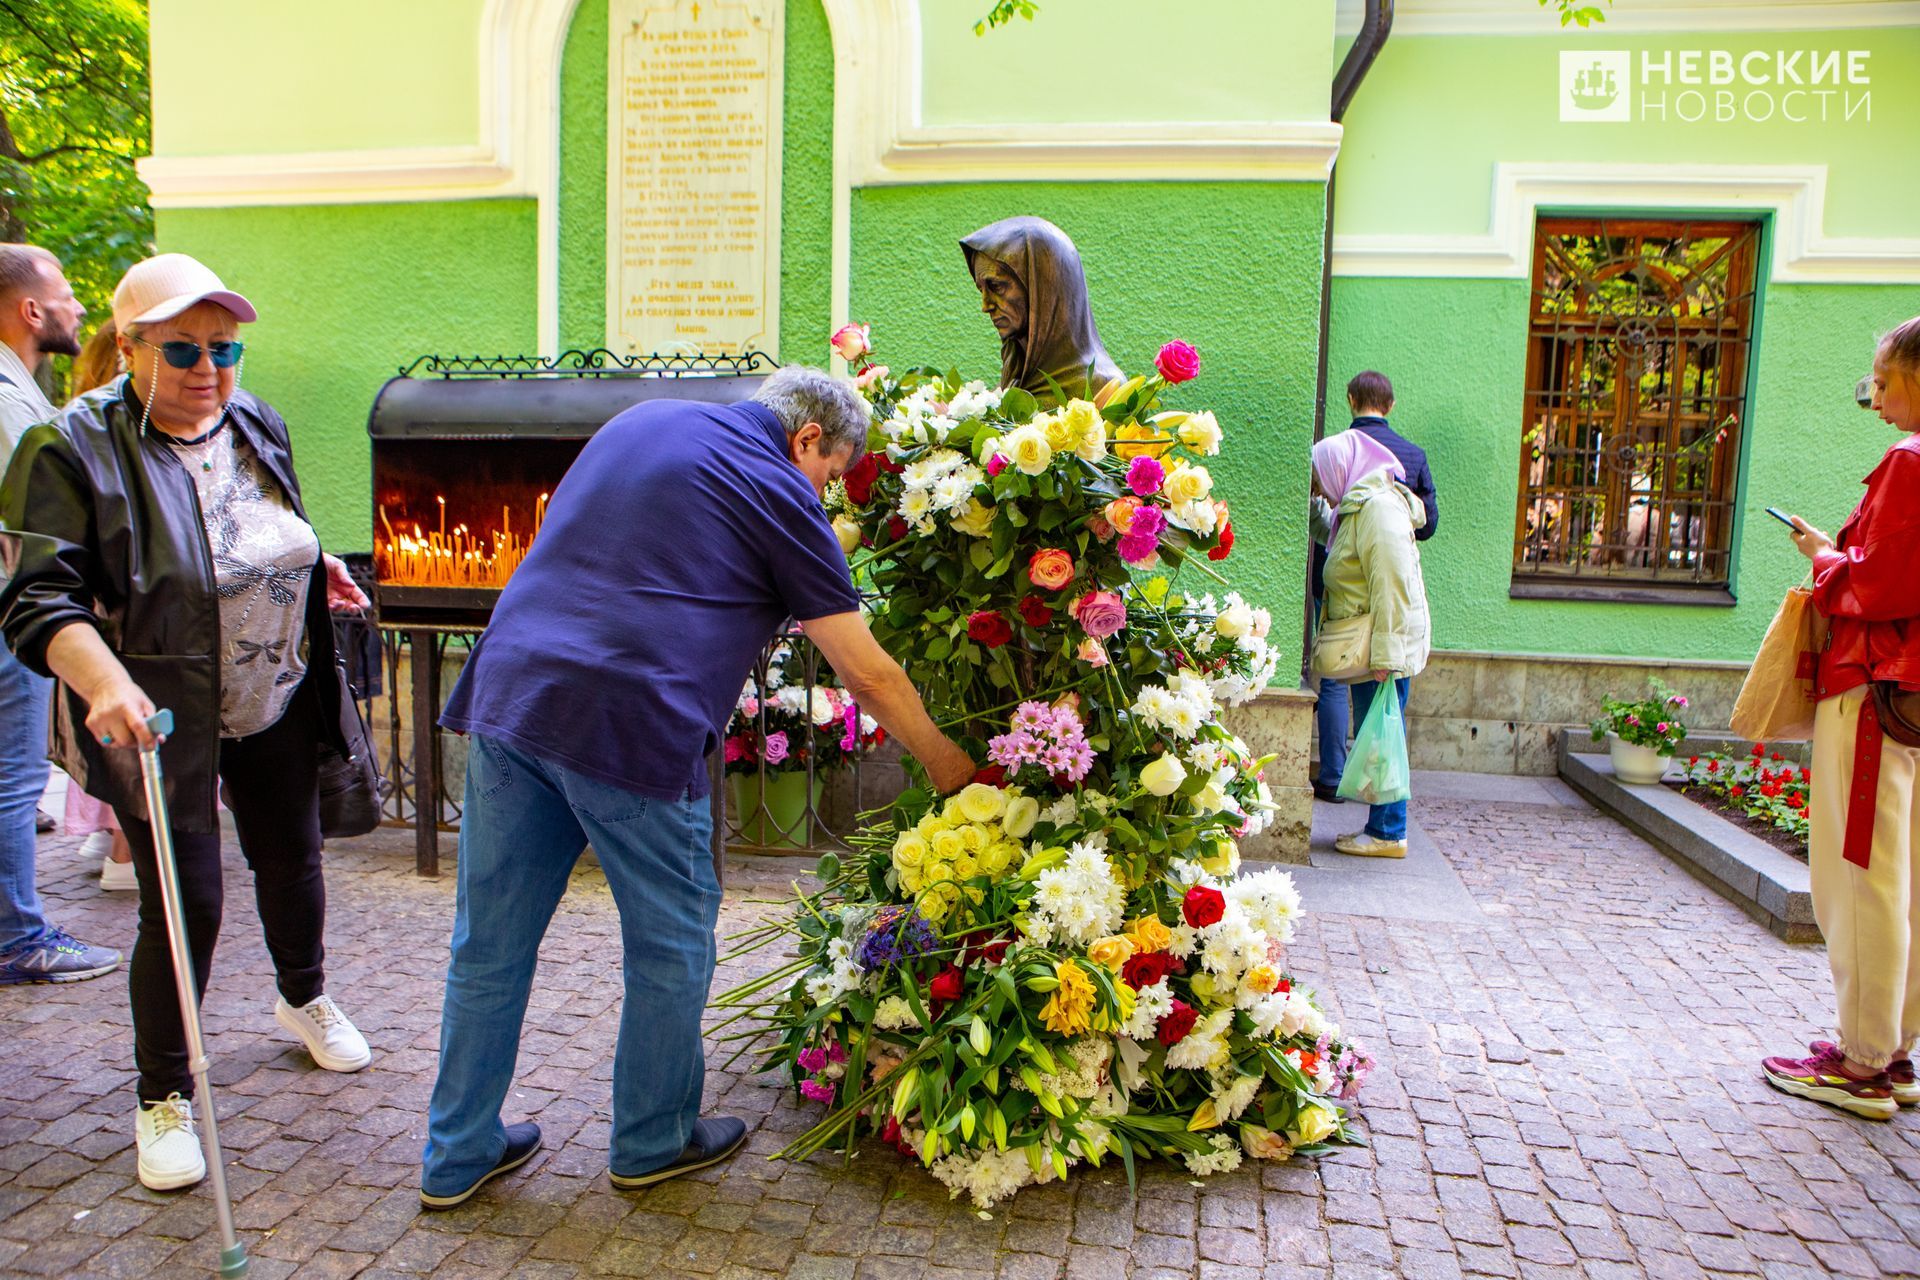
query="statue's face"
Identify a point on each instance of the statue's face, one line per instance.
(1001, 295)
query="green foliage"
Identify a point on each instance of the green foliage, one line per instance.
(1005, 11)
(1572, 11)
(1653, 721)
(74, 113)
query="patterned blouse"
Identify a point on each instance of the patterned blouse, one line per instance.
(263, 558)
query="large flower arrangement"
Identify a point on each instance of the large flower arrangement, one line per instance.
(788, 722)
(1058, 964)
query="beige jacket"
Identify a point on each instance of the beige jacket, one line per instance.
(1373, 566)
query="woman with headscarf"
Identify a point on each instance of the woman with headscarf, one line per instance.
(161, 557)
(1373, 567)
(1033, 289)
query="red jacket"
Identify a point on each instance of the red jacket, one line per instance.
(1869, 585)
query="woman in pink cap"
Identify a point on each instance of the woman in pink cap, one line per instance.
(1373, 568)
(165, 560)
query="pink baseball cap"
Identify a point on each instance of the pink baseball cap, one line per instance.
(162, 287)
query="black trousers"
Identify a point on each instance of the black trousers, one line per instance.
(271, 787)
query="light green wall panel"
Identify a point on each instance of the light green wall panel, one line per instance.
(806, 200)
(234, 79)
(1233, 268)
(1126, 60)
(1436, 113)
(1456, 351)
(349, 293)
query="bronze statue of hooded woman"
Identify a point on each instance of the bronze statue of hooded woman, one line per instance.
(1033, 289)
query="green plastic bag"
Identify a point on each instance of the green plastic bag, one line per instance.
(1377, 765)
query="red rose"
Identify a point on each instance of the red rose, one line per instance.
(860, 477)
(947, 985)
(989, 628)
(890, 1131)
(1177, 361)
(1035, 611)
(1283, 987)
(984, 948)
(1203, 906)
(896, 529)
(1226, 542)
(887, 464)
(994, 775)
(1050, 569)
(1144, 968)
(1178, 1021)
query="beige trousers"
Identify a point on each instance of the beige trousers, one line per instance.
(1870, 915)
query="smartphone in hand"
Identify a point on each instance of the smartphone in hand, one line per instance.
(1783, 518)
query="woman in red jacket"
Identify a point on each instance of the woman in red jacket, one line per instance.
(1865, 815)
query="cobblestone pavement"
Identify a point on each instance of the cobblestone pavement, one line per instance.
(1566, 1089)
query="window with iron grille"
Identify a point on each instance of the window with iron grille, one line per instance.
(1637, 358)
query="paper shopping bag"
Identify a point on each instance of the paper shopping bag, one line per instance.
(1776, 701)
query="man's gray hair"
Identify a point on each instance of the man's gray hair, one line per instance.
(22, 267)
(798, 395)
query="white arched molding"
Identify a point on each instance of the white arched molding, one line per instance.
(1795, 196)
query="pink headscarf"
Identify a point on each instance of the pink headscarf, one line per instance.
(1343, 460)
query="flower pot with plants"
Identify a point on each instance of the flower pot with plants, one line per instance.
(1642, 735)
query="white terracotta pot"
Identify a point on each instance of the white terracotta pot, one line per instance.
(1640, 766)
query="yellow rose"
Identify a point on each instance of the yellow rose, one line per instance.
(1135, 440)
(912, 880)
(946, 845)
(973, 838)
(1262, 978)
(965, 867)
(976, 521)
(1187, 484)
(933, 906)
(910, 850)
(930, 826)
(1082, 419)
(1201, 433)
(1312, 1125)
(1027, 448)
(1148, 934)
(1164, 776)
(1111, 951)
(997, 857)
(936, 872)
(982, 803)
(1061, 433)
(1225, 858)
(1263, 1144)
(1022, 812)
(848, 531)
(1204, 987)
(950, 812)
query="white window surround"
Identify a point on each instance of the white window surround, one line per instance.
(1794, 194)
(878, 140)
(1516, 18)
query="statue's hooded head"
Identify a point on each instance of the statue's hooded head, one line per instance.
(1033, 289)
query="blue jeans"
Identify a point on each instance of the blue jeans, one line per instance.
(1384, 821)
(23, 780)
(525, 824)
(1333, 714)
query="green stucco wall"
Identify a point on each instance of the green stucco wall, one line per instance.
(349, 293)
(240, 79)
(1436, 113)
(806, 180)
(1233, 268)
(1456, 351)
(1107, 60)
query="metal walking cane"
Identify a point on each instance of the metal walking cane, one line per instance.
(233, 1257)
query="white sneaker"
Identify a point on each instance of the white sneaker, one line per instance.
(97, 845)
(335, 1043)
(169, 1143)
(1362, 845)
(118, 877)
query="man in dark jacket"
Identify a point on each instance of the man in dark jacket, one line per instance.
(1370, 399)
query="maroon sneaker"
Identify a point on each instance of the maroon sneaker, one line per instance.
(1821, 1079)
(1906, 1090)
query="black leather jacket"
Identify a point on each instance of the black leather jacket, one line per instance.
(102, 526)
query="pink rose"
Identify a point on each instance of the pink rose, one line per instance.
(1099, 613)
(1050, 568)
(870, 375)
(996, 464)
(775, 747)
(1177, 361)
(851, 341)
(1091, 652)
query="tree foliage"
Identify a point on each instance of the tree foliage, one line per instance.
(1004, 11)
(74, 113)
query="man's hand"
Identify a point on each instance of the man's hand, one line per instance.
(1809, 539)
(343, 593)
(883, 691)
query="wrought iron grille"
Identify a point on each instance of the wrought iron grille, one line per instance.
(1637, 359)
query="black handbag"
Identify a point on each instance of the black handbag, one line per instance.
(352, 790)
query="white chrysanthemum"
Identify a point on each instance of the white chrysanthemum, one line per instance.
(920, 473)
(916, 507)
(894, 1014)
(1149, 1006)
(1200, 516)
(1223, 1158)
(973, 400)
(1077, 899)
(989, 1177)
(1269, 899)
(952, 493)
(1206, 1045)
(1233, 1093)
(1083, 1068)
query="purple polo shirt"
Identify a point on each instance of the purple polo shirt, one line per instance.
(676, 546)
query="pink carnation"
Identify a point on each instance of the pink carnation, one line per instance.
(1145, 476)
(813, 1058)
(1136, 549)
(996, 464)
(818, 1090)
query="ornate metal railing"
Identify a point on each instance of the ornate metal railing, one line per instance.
(597, 363)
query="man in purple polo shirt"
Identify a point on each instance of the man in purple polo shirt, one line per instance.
(676, 546)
